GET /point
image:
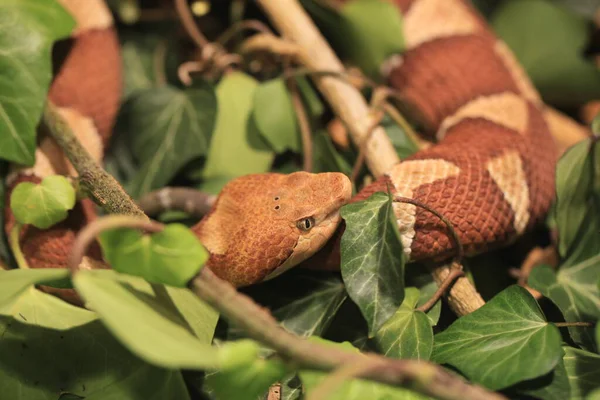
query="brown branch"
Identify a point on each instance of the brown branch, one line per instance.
(189, 24)
(158, 62)
(423, 377)
(192, 201)
(456, 271)
(305, 131)
(101, 186)
(247, 25)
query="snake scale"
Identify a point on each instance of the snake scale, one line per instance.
(491, 172)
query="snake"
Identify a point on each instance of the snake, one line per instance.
(490, 171)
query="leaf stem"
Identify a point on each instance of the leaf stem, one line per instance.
(13, 241)
(572, 324)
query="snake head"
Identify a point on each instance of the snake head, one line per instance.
(263, 224)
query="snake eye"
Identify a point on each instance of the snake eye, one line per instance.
(306, 224)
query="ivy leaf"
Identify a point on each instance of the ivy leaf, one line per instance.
(43, 204)
(552, 386)
(403, 144)
(504, 342)
(166, 128)
(574, 184)
(326, 158)
(142, 323)
(408, 333)
(583, 370)
(373, 259)
(354, 35)
(243, 375)
(568, 79)
(304, 302)
(28, 29)
(172, 256)
(356, 389)
(50, 347)
(275, 117)
(236, 148)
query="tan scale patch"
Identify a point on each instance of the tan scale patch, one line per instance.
(516, 71)
(432, 19)
(407, 177)
(507, 171)
(506, 109)
(89, 14)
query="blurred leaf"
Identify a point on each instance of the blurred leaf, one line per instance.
(325, 157)
(166, 128)
(28, 30)
(172, 256)
(404, 146)
(243, 375)
(552, 386)
(502, 343)
(585, 8)
(355, 389)
(52, 347)
(43, 204)
(304, 302)
(144, 325)
(236, 148)
(373, 259)
(549, 41)
(408, 333)
(275, 118)
(583, 370)
(365, 32)
(314, 105)
(574, 188)
(137, 55)
(5, 254)
(575, 294)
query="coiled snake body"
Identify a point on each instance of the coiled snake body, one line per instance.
(491, 174)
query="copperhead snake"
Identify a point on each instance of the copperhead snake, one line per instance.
(491, 172)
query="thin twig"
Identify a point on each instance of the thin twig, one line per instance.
(101, 186)
(333, 381)
(305, 131)
(192, 201)
(88, 234)
(158, 61)
(15, 247)
(247, 25)
(456, 271)
(573, 324)
(189, 24)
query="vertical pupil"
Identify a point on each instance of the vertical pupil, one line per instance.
(307, 223)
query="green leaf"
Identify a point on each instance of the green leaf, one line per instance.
(583, 370)
(325, 156)
(243, 375)
(369, 43)
(404, 146)
(549, 41)
(408, 333)
(574, 181)
(172, 256)
(28, 29)
(574, 294)
(355, 389)
(236, 148)
(137, 54)
(275, 118)
(43, 204)
(504, 342)
(596, 125)
(52, 347)
(426, 292)
(166, 128)
(142, 323)
(373, 259)
(303, 302)
(552, 386)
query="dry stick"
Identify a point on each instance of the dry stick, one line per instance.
(158, 62)
(192, 201)
(246, 25)
(187, 19)
(424, 377)
(348, 103)
(101, 186)
(421, 376)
